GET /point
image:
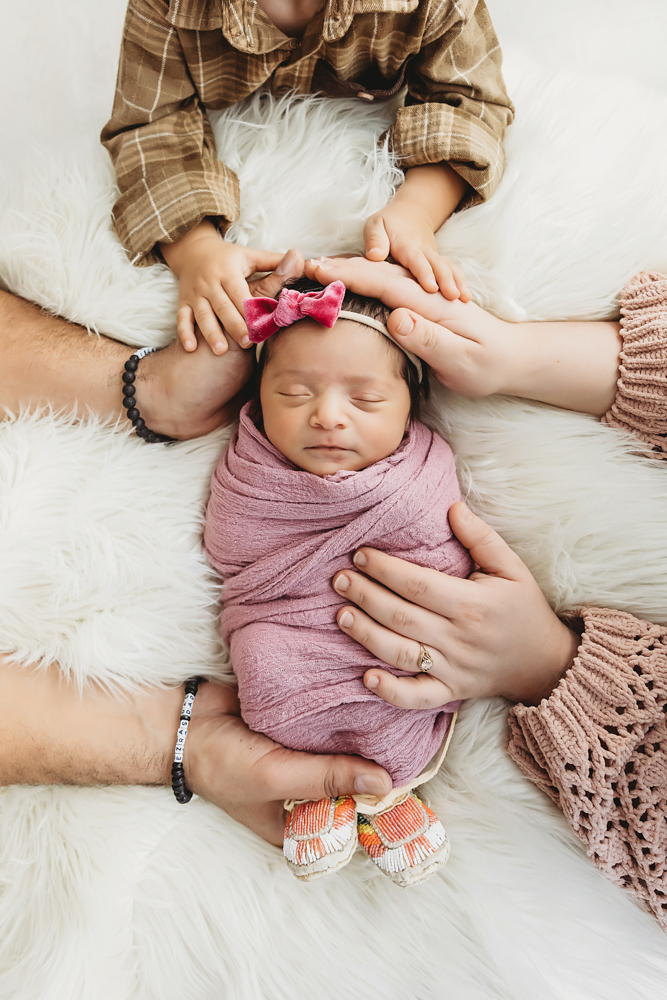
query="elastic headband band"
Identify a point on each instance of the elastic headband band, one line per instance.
(375, 325)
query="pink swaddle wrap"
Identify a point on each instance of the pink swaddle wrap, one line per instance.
(277, 535)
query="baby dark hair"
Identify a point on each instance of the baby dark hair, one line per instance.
(367, 307)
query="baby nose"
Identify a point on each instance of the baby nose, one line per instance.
(329, 414)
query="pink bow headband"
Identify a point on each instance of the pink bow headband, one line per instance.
(265, 316)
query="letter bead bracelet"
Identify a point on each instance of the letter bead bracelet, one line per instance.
(130, 399)
(180, 789)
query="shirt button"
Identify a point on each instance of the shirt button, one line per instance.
(365, 96)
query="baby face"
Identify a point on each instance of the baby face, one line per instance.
(334, 399)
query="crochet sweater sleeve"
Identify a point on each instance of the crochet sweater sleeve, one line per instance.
(598, 745)
(640, 406)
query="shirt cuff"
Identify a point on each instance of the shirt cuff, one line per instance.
(640, 406)
(434, 132)
(162, 210)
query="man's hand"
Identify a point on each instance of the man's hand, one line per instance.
(250, 776)
(405, 229)
(212, 285)
(492, 634)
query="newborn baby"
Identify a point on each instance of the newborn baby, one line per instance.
(328, 457)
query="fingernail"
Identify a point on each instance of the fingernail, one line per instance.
(346, 620)
(190, 345)
(342, 583)
(465, 513)
(360, 559)
(245, 342)
(286, 263)
(368, 784)
(406, 325)
(372, 682)
(322, 262)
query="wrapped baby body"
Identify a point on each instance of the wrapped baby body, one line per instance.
(277, 535)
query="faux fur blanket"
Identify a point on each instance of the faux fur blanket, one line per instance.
(277, 535)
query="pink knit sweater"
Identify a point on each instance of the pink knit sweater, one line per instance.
(598, 745)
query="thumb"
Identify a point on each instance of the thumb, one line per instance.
(319, 776)
(433, 343)
(291, 266)
(376, 241)
(490, 552)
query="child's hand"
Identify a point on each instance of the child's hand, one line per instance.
(212, 285)
(403, 231)
(405, 228)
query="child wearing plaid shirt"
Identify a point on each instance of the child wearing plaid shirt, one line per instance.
(177, 198)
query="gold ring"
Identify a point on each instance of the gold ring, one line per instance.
(425, 661)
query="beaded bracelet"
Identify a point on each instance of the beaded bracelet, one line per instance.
(180, 789)
(130, 402)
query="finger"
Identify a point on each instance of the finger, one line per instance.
(232, 321)
(461, 283)
(486, 547)
(290, 267)
(420, 267)
(293, 775)
(262, 260)
(426, 588)
(443, 351)
(405, 617)
(418, 693)
(376, 240)
(396, 650)
(209, 326)
(185, 326)
(444, 276)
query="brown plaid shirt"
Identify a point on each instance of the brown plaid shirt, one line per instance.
(178, 56)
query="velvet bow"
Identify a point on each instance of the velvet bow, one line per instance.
(264, 316)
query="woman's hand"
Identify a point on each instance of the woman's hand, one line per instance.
(250, 776)
(492, 634)
(467, 349)
(571, 365)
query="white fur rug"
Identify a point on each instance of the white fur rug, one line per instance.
(121, 893)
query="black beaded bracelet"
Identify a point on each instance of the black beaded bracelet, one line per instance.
(180, 789)
(130, 400)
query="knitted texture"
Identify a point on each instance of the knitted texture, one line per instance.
(598, 747)
(640, 406)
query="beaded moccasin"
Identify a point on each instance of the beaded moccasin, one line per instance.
(320, 837)
(407, 842)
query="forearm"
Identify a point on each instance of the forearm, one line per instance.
(572, 365)
(56, 734)
(433, 189)
(48, 362)
(176, 253)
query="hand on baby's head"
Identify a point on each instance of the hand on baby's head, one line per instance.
(334, 399)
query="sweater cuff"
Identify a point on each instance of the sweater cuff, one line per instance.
(640, 406)
(437, 133)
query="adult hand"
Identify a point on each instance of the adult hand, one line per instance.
(189, 393)
(573, 365)
(467, 349)
(250, 776)
(492, 634)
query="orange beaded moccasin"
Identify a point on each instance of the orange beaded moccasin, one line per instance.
(320, 837)
(407, 842)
